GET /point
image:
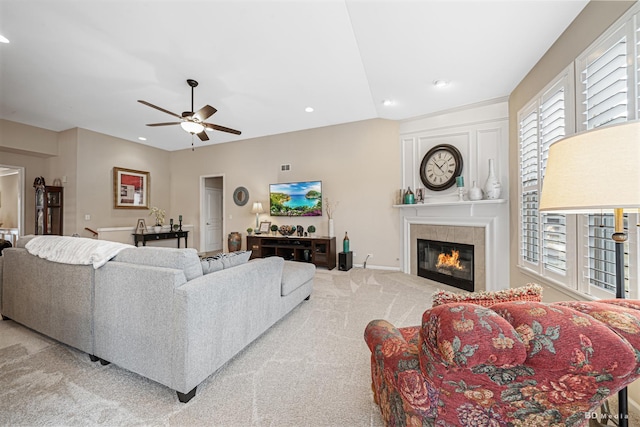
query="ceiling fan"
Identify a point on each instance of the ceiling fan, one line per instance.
(190, 121)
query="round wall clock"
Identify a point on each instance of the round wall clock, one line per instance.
(440, 167)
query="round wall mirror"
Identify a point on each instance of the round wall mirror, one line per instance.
(241, 196)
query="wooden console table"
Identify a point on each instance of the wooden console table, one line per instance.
(144, 238)
(320, 251)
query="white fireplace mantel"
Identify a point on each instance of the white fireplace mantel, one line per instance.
(492, 215)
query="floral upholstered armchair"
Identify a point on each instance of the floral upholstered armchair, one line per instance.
(513, 364)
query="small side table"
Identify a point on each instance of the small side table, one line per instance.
(345, 261)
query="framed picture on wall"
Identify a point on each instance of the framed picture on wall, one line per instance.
(130, 189)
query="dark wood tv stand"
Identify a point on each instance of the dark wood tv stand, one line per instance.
(320, 251)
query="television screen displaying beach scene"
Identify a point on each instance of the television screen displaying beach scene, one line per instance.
(296, 199)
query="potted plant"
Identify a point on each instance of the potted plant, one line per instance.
(249, 231)
(274, 229)
(159, 215)
(311, 229)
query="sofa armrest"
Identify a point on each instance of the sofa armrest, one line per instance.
(608, 320)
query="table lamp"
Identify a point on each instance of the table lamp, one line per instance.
(597, 171)
(257, 209)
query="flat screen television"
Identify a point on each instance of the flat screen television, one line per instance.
(296, 199)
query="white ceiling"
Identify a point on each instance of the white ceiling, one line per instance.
(260, 63)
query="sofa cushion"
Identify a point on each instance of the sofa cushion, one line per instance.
(296, 274)
(530, 292)
(186, 259)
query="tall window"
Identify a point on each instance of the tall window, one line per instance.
(543, 237)
(606, 87)
(577, 251)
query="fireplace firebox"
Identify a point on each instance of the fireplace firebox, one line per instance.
(446, 262)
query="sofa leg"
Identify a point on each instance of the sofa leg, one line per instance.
(93, 358)
(185, 397)
(104, 362)
(308, 298)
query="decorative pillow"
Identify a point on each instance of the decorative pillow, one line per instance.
(529, 292)
(224, 260)
(211, 265)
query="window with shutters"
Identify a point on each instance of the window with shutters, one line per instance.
(577, 251)
(543, 237)
(607, 88)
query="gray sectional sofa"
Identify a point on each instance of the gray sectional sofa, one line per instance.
(153, 311)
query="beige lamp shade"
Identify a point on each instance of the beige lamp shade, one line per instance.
(257, 208)
(594, 171)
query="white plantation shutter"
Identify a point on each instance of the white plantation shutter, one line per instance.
(543, 237)
(553, 128)
(529, 231)
(605, 87)
(604, 81)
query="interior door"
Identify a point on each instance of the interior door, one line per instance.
(213, 215)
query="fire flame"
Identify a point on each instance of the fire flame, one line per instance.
(450, 261)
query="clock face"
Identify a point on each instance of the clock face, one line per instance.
(440, 167)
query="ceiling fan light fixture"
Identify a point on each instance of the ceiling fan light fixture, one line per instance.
(192, 127)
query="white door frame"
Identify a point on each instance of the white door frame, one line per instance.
(21, 197)
(203, 220)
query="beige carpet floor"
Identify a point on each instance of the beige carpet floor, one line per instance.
(310, 369)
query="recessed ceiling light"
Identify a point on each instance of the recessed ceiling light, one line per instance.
(440, 83)
(388, 102)
(142, 138)
(309, 109)
(3, 39)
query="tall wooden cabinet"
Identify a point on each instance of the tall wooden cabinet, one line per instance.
(49, 203)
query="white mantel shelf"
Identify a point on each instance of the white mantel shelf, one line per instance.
(456, 203)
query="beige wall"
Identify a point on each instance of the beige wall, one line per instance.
(18, 138)
(358, 164)
(596, 17)
(97, 155)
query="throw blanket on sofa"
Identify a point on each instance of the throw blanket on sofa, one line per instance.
(74, 250)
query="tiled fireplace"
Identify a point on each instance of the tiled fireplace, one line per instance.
(478, 231)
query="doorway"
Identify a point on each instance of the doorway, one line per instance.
(212, 214)
(11, 202)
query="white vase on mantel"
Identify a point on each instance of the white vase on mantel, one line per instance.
(492, 188)
(331, 229)
(475, 192)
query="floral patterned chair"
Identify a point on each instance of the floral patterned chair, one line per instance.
(513, 364)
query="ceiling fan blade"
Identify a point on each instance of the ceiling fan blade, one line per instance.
(222, 128)
(203, 136)
(204, 113)
(163, 124)
(158, 108)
